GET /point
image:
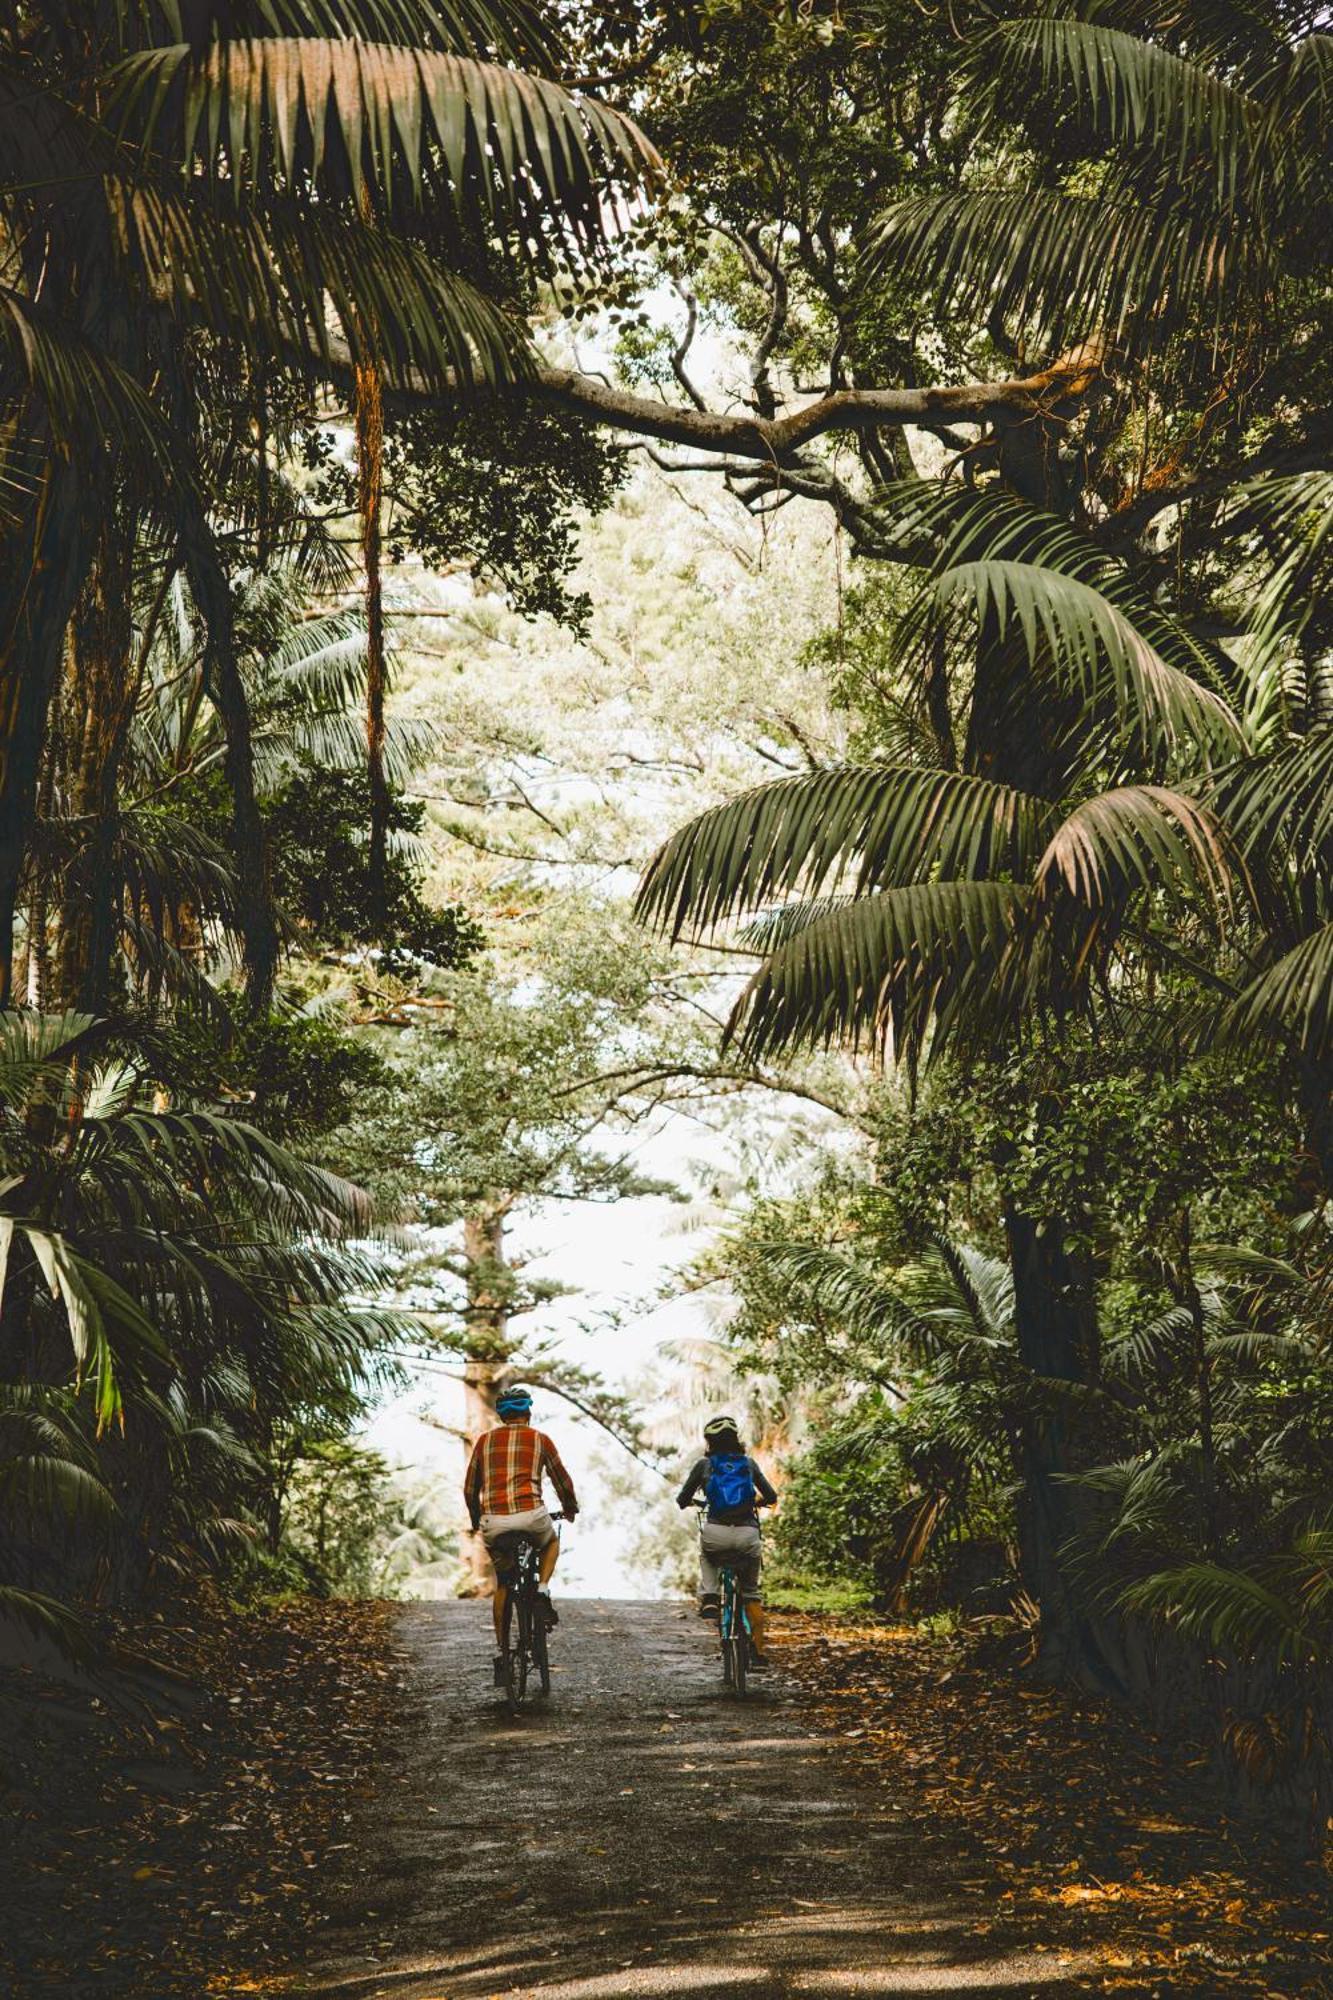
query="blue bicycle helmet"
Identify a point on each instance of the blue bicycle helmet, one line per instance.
(513, 1403)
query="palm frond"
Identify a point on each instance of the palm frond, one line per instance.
(1295, 515)
(273, 275)
(873, 825)
(396, 125)
(1087, 643)
(891, 966)
(1292, 998)
(89, 399)
(1226, 1607)
(1134, 92)
(1054, 264)
(1140, 837)
(33, 1045)
(1150, 1346)
(834, 1283)
(512, 27)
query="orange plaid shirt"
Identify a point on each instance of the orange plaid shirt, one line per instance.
(504, 1474)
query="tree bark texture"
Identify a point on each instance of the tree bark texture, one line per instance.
(43, 564)
(101, 686)
(370, 500)
(487, 1356)
(1056, 1322)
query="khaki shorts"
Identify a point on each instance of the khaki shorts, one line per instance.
(536, 1522)
(738, 1548)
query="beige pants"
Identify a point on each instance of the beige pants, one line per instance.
(738, 1548)
(536, 1522)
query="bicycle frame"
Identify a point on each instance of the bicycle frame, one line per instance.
(734, 1629)
(524, 1631)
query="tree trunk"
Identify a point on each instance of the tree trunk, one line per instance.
(101, 688)
(225, 685)
(482, 1383)
(42, 569)
(488, 1352)
(1019, 733)
(1056, 1321)
(370, 500)
(37, 977)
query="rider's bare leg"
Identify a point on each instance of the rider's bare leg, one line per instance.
(546, 1564)
(498, 1602)
(754, 1611)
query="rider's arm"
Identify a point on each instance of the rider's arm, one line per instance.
(472, 1484)
(560, 1479)
(762, 1486)
(698, 1474)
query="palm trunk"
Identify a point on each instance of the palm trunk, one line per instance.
(101, 689)
(42, 569)
(1056, 1321)
(1017, 734)
(370, 484)
(225, 685)
(38, 969)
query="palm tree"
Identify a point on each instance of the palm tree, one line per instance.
(177, 1287)
(939, 1335)
(1070, 808)
(929, 907)
(278, 197)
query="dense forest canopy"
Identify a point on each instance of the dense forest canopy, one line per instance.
(1006, 843)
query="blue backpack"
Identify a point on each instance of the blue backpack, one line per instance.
(730, 1487)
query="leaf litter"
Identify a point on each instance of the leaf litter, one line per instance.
(1081, 1833)
(179, 1856)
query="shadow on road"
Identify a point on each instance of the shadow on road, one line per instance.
(644, 1834)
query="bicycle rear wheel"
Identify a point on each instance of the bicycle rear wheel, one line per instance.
(541, 1659)
(734, 1640)
(517, 1631)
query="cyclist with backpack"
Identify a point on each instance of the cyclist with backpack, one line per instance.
(734, 1489)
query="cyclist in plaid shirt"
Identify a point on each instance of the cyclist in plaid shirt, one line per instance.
(503, 1491)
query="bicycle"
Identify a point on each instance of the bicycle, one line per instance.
(734, 1626)
(733, 1623)
(523, 1628)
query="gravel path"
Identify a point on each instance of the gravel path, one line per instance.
(641, 1834)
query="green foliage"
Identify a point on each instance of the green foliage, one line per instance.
(318, 824)
(293, 1074)
(206, 1280)
(349, 1528)
(500, 492)
(839, 1502)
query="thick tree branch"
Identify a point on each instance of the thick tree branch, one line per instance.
(776, 439)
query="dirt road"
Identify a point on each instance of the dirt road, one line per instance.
(640, 1835)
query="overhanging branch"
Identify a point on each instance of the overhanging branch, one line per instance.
(774, 440)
